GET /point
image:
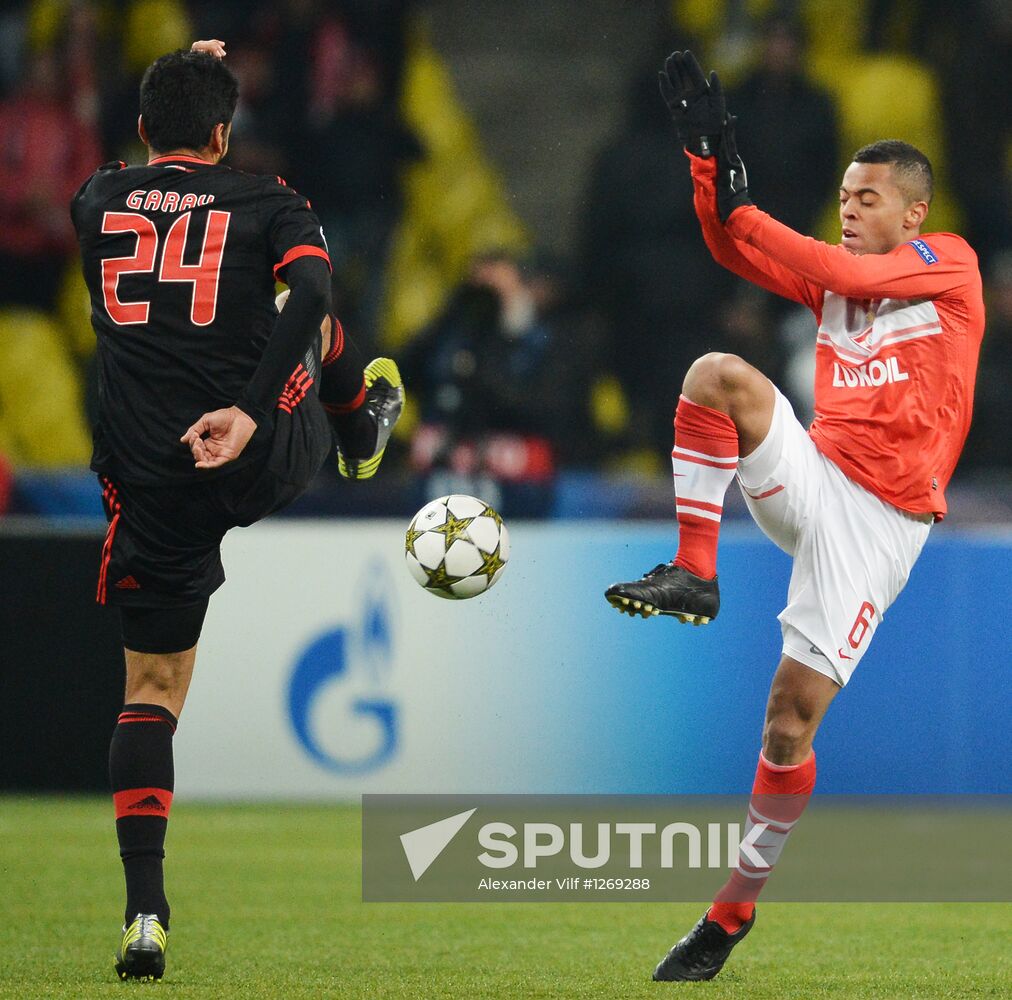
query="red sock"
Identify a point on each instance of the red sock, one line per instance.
(703, 461)
(779, 796)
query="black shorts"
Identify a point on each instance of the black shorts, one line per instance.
(163, 545)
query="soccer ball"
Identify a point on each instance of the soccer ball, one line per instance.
(456, 547)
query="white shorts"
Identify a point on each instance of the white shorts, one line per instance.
(852, 552)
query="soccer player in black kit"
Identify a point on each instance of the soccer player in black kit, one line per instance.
(215, 410)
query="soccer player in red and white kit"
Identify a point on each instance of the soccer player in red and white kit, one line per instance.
(900, 318)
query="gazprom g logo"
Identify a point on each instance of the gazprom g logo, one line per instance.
(338, 699)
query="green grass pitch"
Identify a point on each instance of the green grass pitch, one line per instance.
(266, 904)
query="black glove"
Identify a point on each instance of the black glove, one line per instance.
(732, 183)
(697, 108)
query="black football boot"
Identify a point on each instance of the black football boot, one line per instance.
(701, 954)
(668, 590)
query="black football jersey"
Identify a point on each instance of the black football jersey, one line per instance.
(180, 257)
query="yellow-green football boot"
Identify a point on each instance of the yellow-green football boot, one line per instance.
(384, 401)
(141, 953)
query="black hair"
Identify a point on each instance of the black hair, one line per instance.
(911, 168)
(183, 96)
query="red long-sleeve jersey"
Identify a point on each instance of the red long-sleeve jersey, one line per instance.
(896, 352)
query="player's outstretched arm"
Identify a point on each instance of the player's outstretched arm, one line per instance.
(739, 258)
(699, 112)
(903, 273)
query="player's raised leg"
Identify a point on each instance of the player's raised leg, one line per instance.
(363, 402)
(724, 413)
(142, 776)
(784, 781)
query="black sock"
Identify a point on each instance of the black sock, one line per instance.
(141, 775)
(342, 392)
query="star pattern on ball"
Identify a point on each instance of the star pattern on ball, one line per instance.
(489, 512)
(491, 563)
(453, 528)
(412, 536)
(439, 579)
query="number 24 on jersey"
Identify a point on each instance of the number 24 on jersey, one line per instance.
(203, 275)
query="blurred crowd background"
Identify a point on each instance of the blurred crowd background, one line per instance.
(506, 206)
